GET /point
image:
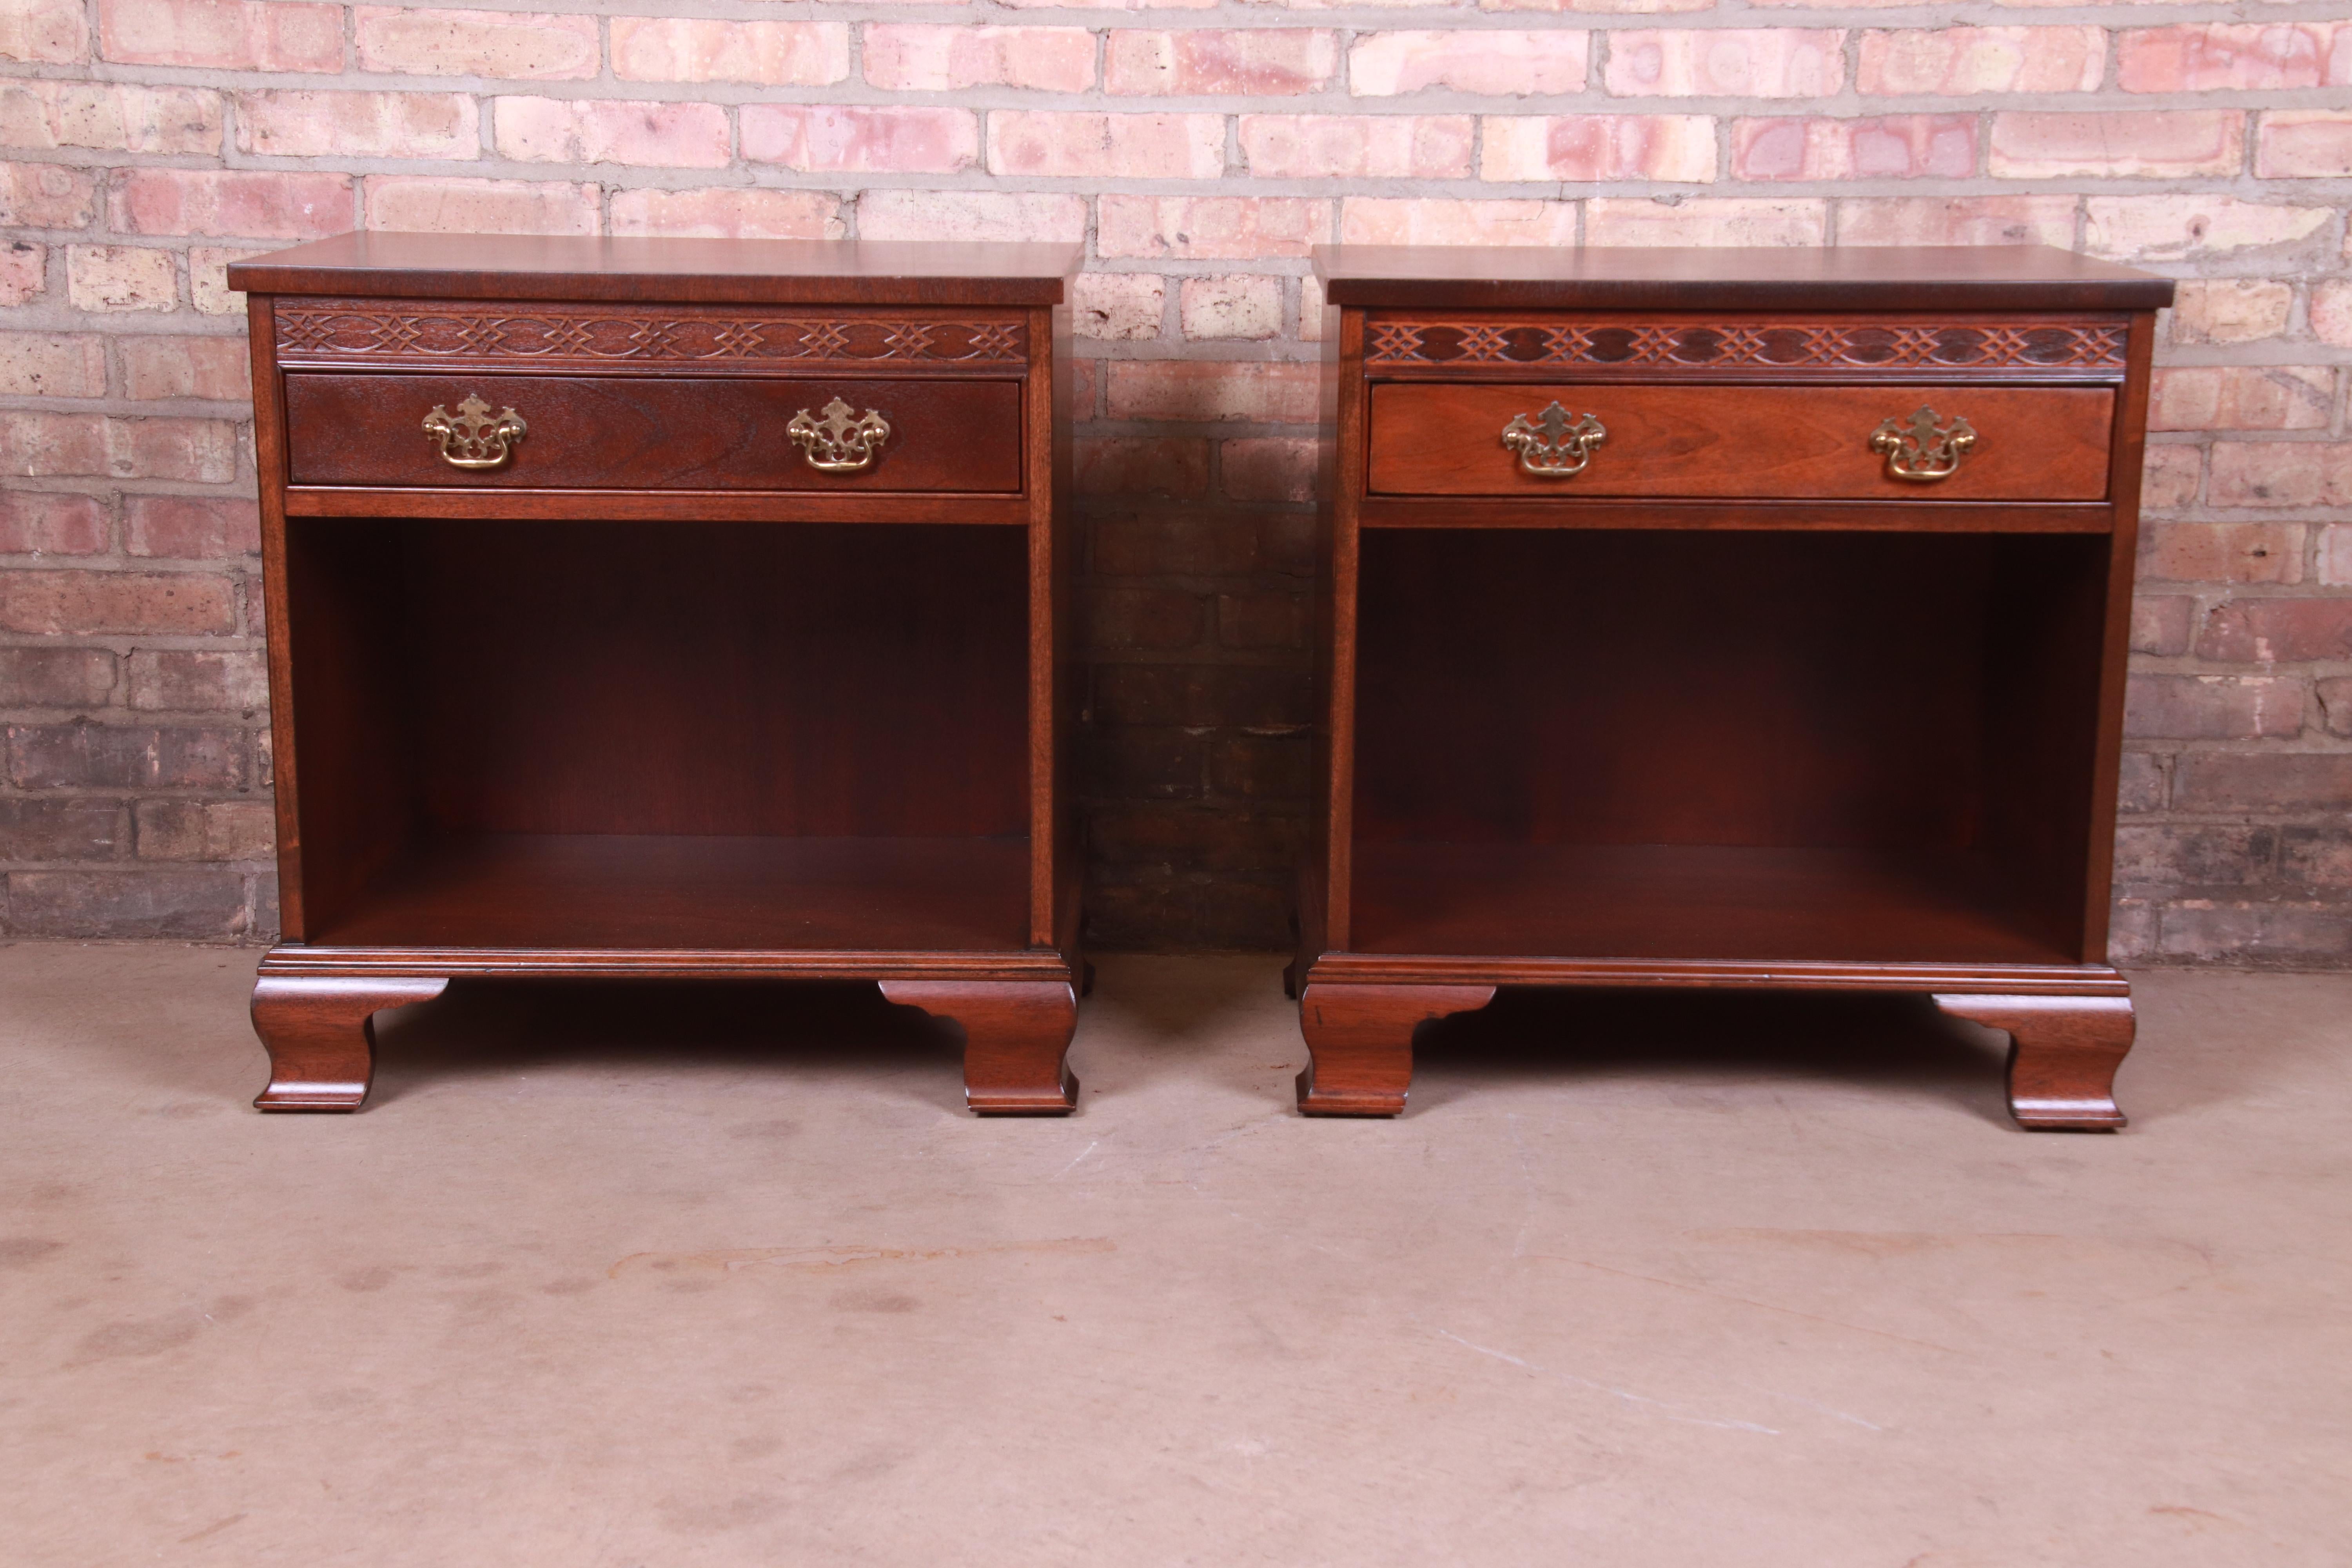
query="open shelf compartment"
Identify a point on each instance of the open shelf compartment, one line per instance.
(710, 735)
(1800, 746)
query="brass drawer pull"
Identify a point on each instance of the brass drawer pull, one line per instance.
(1927, 451)
(1554, 445)
(839, 444)
(471, 439)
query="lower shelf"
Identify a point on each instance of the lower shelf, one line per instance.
(1689, 901)
(625, 890)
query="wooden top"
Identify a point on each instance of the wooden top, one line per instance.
(1642, 278)
(713, 271)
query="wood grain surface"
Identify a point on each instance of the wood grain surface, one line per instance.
(1749, 442)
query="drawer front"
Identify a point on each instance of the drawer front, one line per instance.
(1814, 443)
(636, 432)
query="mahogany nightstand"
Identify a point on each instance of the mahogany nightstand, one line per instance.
(666, 608)
(1723, 619)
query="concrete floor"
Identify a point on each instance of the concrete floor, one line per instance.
(607, 1280)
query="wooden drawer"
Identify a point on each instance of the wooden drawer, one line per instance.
(1765, 442)
(638, 433)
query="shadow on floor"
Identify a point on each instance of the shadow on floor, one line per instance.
(493, 1028)
(1562, 1035)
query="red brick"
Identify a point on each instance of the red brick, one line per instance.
(1709, 221)
(1595, 147)
(513, 45)
(2336, 555)
(46, 196)
(774, 54)
(52, 364)
(1094, 146)
(1356, 146)
(2170, 143)
(613, 130)
(1958, 62)
(1444, 220)
(2335, 696)
(208, 288)
(203, 830)
(2212, 708)
(34, 522)
(2169, 483)
(1382, 65)
(83, 604)
(216, 368)
(1897, 147)
(913, 58)
(2315, 856)
(2165, 227)
(1210, 228)
(1213, 390)
(2303, 145)
(1204, 695)
(1244, 307)
(2263, 781)
(2233, 310)
(1268, 469)
(55, 677)
(60, 830)
(1201, 61)
(97, 756)
(222, 34)
(184, 904)
(1144, 618)
(730, 212)
(2222, 552)
(845, 139)
(112, 117)
(432, 204)
(2140, 784)
(358, 124)
(1957, 220)
(1218, 543)
(1142, 465)
(1726, 62)
(24, 272)
(190, 528)
(2197, 854)
(1119, 305)
(37, 445)
(971, 215)
(1263, 620)
(2280, 473)
(2163, 625)
(45, 32)
(1262, 767)
(229, 202)
(1155, 764)
(2222, 56)
(106, 277)
(2277, 631)
(2242, 397)
(2297, 935)
(194, 682)
(1192, 837)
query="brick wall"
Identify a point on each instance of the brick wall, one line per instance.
(1198, 150)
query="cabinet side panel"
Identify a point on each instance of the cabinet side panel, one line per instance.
(1344, 333)
(2130, 449)
(269, 468)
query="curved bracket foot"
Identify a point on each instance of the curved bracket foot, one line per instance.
(320, 1034)
(1359, 1039)
(1016, 1040)
(2062, 1056)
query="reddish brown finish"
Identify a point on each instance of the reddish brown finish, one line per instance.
(1747, 734)
(320, 1034)
(1744, 442)
(1776, 348)
(516, 733)
(541, 269)
(1732, 281)
(1016, 1040)
(642, 433)
(2062, 1056)
(1360, 1037)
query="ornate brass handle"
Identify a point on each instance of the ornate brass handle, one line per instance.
(839, 443)
(1925, 452)
(471, 439)
(1554, 445)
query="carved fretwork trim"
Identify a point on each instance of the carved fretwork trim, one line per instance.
(1775, 345)
(540, 334)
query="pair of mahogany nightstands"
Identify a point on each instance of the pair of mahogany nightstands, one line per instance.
(1688, 617)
